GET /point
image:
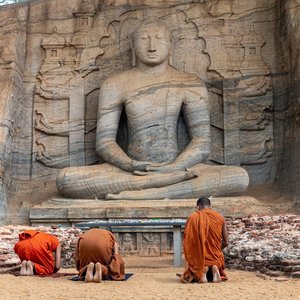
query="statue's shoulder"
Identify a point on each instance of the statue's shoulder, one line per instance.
(117, 80)
(187, 77)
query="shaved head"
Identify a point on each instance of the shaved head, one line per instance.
(203, 202)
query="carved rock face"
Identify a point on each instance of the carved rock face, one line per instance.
(152, 44)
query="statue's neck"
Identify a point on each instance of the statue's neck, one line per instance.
(158, 69)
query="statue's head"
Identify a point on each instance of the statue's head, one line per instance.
(152, 42)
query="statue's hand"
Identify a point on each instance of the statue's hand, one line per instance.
(140, 166)
(164, 168)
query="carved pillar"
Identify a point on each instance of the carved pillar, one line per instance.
(76, 115)
(84, 23)
(231, 126)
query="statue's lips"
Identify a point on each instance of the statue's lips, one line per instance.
(152, 56)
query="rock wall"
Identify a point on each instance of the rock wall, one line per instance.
(54, 55)
(289, 174)
(268, 244)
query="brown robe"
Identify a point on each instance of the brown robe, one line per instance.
(97, 245)
(202, 242)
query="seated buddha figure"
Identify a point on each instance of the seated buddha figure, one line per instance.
(152, 94)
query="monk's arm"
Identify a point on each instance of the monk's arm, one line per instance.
(225, 237)
(57, 258)
(76, 256)
(116, 248)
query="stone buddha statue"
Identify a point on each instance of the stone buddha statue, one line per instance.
(152, 95)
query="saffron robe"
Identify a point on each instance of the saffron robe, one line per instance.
(38, 247)
(202, 244)
(97, 245)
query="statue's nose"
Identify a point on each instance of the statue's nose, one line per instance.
(151, 47)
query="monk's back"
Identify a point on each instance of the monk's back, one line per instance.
(95, 245)
(37, 247)
(214, 237)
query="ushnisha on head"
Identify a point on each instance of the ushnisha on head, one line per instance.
(203, 202)
(151, 43)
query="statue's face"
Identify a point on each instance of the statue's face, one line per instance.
(152, 44)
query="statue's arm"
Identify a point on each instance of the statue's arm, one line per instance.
(109, 112)
(197, 118)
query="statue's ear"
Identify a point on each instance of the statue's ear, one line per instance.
(133, 56)
(171, 51)
(171, 58)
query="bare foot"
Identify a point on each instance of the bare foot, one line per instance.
(98, 273)
(191, 174)
(89, 272)
(140, 173)
(216, 274)
(112, 196)
(30, 266)
(204, 277)
(23, 270)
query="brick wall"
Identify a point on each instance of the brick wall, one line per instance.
(269, 244)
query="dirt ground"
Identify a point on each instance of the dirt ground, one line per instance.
(152, 279)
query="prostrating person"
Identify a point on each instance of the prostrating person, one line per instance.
(39, 252)
(97, 256)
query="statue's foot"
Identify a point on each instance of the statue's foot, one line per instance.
(98, 273)
(112, 197)
(127, 195)
(140, 173)
(89, 276)
(191, 174)
(216, 274)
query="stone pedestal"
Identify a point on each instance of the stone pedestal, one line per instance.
(68, 212)
(141, 241)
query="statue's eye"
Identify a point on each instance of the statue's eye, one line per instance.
(159, 36)
(144, 37)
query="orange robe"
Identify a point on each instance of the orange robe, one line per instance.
(97, 245)
(37, 247)
(202, 244)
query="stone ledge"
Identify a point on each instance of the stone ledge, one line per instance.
(71, 211)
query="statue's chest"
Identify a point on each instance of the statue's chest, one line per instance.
(153, 101)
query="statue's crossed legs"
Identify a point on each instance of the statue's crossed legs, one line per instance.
(107, 182)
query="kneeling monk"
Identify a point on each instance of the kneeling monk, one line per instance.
(205, 236)
(97, 256)
(35, 250)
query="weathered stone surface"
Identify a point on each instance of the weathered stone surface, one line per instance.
(72, 211)
(55, 54)
(289, 169)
